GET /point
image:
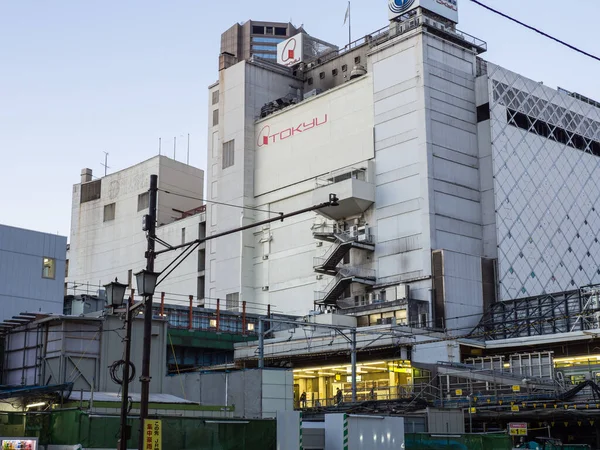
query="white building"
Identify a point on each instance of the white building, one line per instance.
(447, 205)
(107, 240)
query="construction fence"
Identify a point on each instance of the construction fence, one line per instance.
(98, 431)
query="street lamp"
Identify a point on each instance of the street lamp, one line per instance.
(115, 293)
(146, 282)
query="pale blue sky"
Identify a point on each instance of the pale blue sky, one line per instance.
(79, 77)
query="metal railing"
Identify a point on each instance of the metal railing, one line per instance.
(341, 175)
(345, 272)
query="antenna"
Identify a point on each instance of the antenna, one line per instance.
(174, 147)
(159, 146)
(188, 150)
(105, 163)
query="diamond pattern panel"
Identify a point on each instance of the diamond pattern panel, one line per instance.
(547, 187)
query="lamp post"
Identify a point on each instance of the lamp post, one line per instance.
(115, 294)
(146, 284)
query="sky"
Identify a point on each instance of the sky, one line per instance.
(79, 78)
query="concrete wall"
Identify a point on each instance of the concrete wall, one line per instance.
(254, 393)
(102, 251)
(22, 286)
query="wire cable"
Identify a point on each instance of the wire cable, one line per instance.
(536, 30)
(219, 203)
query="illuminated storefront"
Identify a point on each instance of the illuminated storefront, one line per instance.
(377, 380)
(578, 369)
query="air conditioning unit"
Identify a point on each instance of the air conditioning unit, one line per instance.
(354, 231)
(402, 292)
(390, 294)
(265, 288)
(363, 233)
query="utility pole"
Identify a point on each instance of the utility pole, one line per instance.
(353, 362)
(125, 430)
(150, 255)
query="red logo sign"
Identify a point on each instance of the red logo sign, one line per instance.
(266, 137)
(288, 54)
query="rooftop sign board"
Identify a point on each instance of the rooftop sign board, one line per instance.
(445, 8)
(291, 51)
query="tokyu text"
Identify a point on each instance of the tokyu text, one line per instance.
(266, 137)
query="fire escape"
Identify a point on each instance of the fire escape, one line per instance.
(343, 274)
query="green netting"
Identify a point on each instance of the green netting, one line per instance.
(420, 441)
(77, 427)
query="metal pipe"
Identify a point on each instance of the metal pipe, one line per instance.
(162, 304)
(150, 255)
(244, 317)
(218, 314)
(191, 313)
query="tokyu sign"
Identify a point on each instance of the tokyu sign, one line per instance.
(444, 8)
(291, 51)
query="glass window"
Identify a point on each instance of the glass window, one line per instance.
(280, 31)
(268, 48)
(91, 191)
(109, 212)
(267, 40)
(265, 56)
(49, 268)
(268, 30)
(143, 201)
(215, 97)
(258, 30)
(215, 117)
(228, 153)
(334, 72)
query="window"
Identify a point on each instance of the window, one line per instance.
(357, 60)
(49, 268)
(280, 31)
(267, 40)
(130, 278)
(215, 117)
(334, 72)
(268, 30)
(266, 55)
(202, 230)
(91, 191)
(232, 301)
(322, 75)
(310, 81)
(201, 260)
(258, 30)
(268, 48)
(215, 97)
(109, 212)
(67, 268)
(228, 153)
(345, 68)
(143, 201)
(201, 288)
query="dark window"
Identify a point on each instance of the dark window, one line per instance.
(201, 260)
(483, 113)
(215, 117)
(357, 60)
(310, 81)
(228, 153)
(279, 31)
(334, 72)
(322, 75)
(109, 212)
(232, 301)
(268, 30)
(91, 191)
(345, 68)
(258, 30)
(129, 278)
(552, 132)
(143, 201)
(200, 288)
(215, 97)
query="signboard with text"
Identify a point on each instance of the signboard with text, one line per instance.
(445, 8)
(152, 434)
(517, 429)
(291, 51)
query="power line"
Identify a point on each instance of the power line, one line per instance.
(536, 30)
(219, 203)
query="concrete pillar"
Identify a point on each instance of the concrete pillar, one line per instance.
(322, 391)
(394, 389)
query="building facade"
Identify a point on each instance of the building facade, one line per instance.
(32, 272)
(256, 38)
(433, 227)
(107, 240)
